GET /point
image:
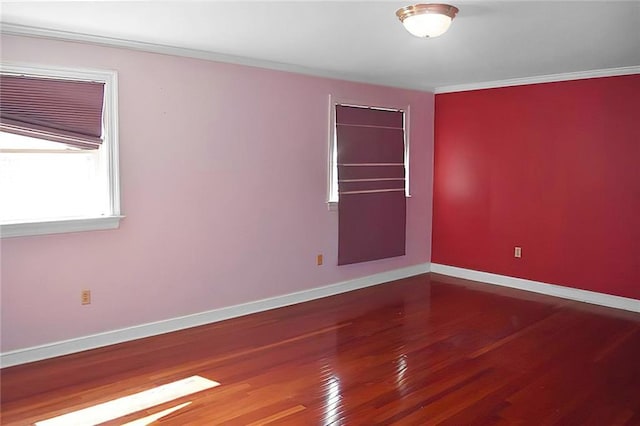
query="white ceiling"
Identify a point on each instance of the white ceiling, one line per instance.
(362, 41)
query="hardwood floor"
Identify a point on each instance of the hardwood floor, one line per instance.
(424, 350)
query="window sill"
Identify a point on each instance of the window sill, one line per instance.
(59, 226)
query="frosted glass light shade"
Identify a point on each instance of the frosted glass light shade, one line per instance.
(430, 25)
(427, 20)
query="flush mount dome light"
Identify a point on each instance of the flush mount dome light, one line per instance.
(427, 20)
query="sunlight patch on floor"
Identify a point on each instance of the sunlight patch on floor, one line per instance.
(110, 410)
(152, 418)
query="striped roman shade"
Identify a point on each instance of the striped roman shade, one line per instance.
(371, 184)
(63, 111)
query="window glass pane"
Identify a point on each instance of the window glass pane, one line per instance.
(41, 180)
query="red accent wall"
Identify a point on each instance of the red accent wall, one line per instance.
(553, 168)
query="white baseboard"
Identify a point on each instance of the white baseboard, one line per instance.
(592, 297)
(50, 350)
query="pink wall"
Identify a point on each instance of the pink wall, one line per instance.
(553, 168)
(223, 176)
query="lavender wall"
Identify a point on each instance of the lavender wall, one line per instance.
(223, 176)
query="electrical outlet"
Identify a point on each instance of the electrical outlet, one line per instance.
(85, 297)
(517, 252)
(319, 260)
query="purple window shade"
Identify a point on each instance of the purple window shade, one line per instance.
(369, 144)
(371, 184)
(371, 226)
(62, 111)
(371, 172)
(348, 186)
(368, 116)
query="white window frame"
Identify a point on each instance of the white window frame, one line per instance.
(110, 129)
(332, 166)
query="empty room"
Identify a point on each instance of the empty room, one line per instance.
(319, 213)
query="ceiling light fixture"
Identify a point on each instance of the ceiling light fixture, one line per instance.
(427, 20)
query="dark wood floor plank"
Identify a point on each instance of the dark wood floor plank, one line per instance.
(425, 350)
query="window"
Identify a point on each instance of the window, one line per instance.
(333, 196)
(369, 160)
(58, 150)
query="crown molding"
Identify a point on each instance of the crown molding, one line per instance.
(37, 32)
(29, 31)
(549, 78)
